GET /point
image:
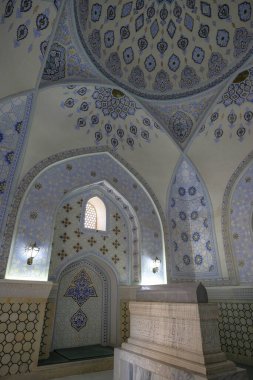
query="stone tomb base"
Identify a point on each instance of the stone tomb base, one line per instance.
(173, 341)
(131, 366)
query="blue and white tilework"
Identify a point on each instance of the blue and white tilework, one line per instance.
(240, 90)
(25, 29)
(81, 288)
(179, 120)
(78, 320)
(163, 49)
(192, 245)
(46, 193)
(232, 117)
(14, 116)
(101, 111)
(241, 225)
(64, 60)
(117, 245)
(86, 324)
(32, 17)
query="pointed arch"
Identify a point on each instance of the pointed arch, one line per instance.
(108, 298)
(54, 169)
(123, 231)
(191, 234)
(237, 223)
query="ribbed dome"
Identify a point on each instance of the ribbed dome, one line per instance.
(165, 49)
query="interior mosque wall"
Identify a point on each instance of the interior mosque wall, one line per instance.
(116, 244)
(237, 222)
(53, 184)
(73, 313)
(226, 129)
(80, 115)
(160, 128)
(192, 239)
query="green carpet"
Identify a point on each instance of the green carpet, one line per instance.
(248, 368)
(86, 352)
(54, 358)
(65, 355)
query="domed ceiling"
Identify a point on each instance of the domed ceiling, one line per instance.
(162, 49)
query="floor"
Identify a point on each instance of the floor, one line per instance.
(104, 375)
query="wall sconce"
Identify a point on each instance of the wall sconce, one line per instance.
(156, 265)
(32, 250)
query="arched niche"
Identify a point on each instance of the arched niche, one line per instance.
(237, 215)
(119, 245)
(191, 236)
(43, 189)
(90, 315)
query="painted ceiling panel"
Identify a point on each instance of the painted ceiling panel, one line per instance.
(164, 49)
(232, 116)
(180, 119)
(224, 140)
(14, 116)
(65, 59)
(74, 116)
(228, 128)
(25, 28)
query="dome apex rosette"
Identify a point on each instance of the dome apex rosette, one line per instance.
(164, 49)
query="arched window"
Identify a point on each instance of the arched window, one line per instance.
(95, 214)
(90, 217)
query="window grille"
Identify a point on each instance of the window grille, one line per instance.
(90, 219)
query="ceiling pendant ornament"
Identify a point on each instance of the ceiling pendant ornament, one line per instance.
(180, 126)
(55, 64)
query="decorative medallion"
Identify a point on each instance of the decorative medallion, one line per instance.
(78, 320)
(81, 289)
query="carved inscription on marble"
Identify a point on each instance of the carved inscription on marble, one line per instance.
(191, 327)
(176, 333)
(210, 337)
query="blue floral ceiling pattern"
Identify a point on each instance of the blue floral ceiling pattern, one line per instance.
(25, 29)
(165, 49)
(64, 59)
(33, 21)
(192, 243)
(232, 118)
(179, 120)
(113, 118)
(14, 116)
